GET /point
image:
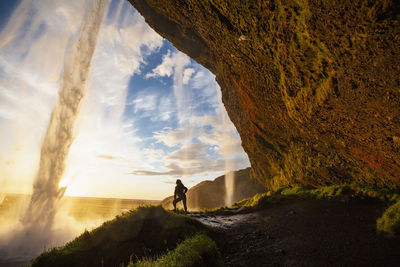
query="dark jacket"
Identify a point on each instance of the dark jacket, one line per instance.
(180, 190)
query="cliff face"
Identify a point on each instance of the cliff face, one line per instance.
(312, 86)
(211, 194)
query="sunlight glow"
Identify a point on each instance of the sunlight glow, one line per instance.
(63, 183)
(147, 110)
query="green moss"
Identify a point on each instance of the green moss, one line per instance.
(253, 201)
(389, 223)
(354, 190)
(146, 230)
(304, 63)
(199, 250)
(301, 63)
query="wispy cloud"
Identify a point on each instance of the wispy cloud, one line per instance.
(114, 158)
(187, 170)
(172, 63)
(187, 75)
(166, 182)
(187, 131)
(205, 135)
(154, 154)
(165, 109)
(190, 153)
(38, 34)
(193, 159)
(145, 103)
(104, 133)
(32, 51)
(175, 64)
(182, 135)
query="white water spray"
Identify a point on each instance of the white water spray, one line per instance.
(38, 220)
(229, 164)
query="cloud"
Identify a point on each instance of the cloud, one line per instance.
(154, 154)
(173, 169)
(187, 74)
(164, 69)
(197, 135)
(223, 139)
(174, 64)
(145, 103)
(204, 83)
(178, 136)
(215, 137)
(171, 62)
(38, 34)
(113, 158)
(165, 109)
(165, 182)
(208, 129)
(32, 51)
(193, 159)
(154, 106)
(26, 91)
(190, 153)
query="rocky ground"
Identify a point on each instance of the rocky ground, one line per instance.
(293, 232)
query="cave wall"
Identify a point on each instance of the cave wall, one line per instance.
(312, 86)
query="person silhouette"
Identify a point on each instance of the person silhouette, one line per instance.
(180, 191)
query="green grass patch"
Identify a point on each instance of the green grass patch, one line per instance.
(143, 232)
(199, 250)
(360, 191)
(388, 223)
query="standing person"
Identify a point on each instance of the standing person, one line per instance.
(180, 191)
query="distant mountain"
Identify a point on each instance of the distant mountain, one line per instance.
(211, 194)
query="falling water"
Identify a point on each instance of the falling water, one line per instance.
(39, 217)
(229, 164)
(229, 183)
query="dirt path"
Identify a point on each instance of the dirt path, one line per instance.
(295, 232)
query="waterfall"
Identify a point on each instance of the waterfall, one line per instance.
(37, 232)
(229, 164)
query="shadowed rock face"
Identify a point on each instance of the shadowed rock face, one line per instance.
(312, 86)
(211, 194)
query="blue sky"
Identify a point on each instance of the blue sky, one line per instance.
(151, 114)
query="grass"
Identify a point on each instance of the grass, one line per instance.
(143, 232)
(388, 223)
(140, 236)
(199, 250)
(362, 191)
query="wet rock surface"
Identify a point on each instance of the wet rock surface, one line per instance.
(312, 86)
(292, 232)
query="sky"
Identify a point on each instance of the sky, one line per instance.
(151, 114)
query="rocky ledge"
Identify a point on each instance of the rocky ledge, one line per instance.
(312, 86)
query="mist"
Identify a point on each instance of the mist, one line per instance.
(36, 230)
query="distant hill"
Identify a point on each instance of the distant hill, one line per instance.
(211, 194)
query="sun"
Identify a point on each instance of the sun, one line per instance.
(65, 182)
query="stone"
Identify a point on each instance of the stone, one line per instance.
(396, 141)
(305, 86)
